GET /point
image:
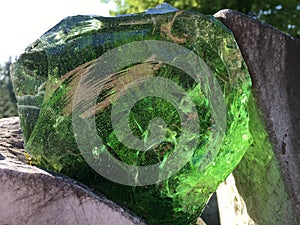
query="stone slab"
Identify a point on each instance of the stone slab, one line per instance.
(273, 60)
(32, 196)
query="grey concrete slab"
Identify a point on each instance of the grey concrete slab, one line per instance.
(32, 196)
(273, 60)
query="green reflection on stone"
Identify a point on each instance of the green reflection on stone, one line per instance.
(45, 79)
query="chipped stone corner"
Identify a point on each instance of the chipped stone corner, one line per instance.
(32, 196)
(272, 58)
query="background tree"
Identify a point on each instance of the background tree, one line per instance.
(284, 15)
(8, 106)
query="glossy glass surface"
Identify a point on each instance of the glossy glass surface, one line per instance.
(46, 77)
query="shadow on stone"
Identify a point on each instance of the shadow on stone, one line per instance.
(268, 177)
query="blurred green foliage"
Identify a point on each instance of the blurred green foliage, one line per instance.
(8, 106)
(283, 15)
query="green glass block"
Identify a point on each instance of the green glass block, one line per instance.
(57, 117)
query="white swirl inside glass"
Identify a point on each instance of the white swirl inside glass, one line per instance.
(87, 91)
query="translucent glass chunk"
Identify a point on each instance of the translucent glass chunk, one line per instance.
(149, 109)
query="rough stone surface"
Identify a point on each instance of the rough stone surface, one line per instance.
(273, 62)
(232, 207)
(32, 196)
